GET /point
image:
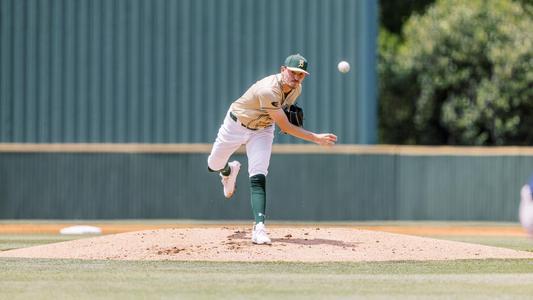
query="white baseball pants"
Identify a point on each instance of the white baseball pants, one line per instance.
(231, 136)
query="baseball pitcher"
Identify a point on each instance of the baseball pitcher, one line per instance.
(250, 121)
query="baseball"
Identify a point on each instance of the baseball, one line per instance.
(343, 67)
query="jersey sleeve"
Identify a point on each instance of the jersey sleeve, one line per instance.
(268, 100)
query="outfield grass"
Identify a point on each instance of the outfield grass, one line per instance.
(15, 241)
(68, 279)
(62, 279)
(511, 242)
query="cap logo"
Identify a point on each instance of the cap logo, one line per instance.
(301, 63)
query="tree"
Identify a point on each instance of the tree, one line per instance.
(394, 13)
(462, 75)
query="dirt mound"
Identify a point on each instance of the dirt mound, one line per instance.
(309, 244)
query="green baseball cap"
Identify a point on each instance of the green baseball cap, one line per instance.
(296, 63)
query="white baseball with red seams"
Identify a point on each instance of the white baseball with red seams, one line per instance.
(343, 66)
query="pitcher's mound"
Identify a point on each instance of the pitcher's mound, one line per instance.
(309, 244)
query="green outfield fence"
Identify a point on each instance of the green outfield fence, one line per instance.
(306, 182)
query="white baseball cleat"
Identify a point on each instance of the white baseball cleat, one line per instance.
(229, 181)
(259, 235)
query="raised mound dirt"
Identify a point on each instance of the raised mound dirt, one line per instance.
(232, 243)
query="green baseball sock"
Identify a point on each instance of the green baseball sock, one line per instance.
(258, 192)
(226, 171)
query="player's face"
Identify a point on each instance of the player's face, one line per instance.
(292, 78)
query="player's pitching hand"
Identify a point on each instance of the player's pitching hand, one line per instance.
(325, 139)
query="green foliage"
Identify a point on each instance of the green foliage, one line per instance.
(463, 75)
(395, 109)
(393, 13)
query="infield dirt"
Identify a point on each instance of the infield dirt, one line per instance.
(232, 243)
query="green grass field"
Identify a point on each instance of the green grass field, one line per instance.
(68, 279)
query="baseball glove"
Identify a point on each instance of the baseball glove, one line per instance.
(295, 115)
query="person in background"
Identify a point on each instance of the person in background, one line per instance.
(526, 207)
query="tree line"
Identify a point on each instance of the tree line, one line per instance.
(456, 72)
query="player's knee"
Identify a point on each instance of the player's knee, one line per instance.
(213, 165)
